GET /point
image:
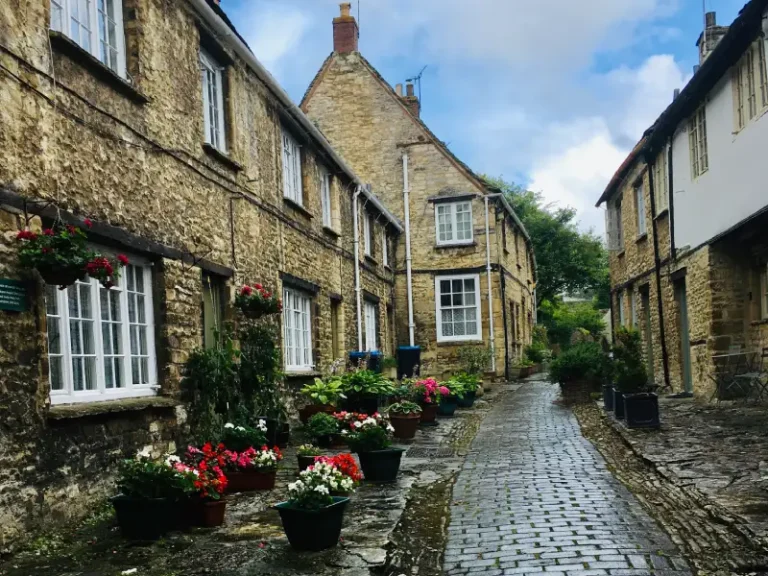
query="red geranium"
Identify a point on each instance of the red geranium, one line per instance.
(345, 463)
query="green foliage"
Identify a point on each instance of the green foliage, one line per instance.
(256, 301)
(585, 361)
(321, 425)
(458, 387)
(328, 391)
(144, 477)
(536, 353)
(240, 438)
(631, 375)
(308, 450)
(366, 382)
(260, 373)
(389, 362)
(562, 320)
(474, 359)
(568, 260)
(404, 407)
(369, 439)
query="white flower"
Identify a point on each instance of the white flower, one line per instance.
(344, 432)
(357, 424)
(322, 490)
(172, 459)
(262, 425)
(229, 425)
(390, 428)
(239, 428)
(145, 453)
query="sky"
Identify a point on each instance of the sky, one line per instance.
(549, 94)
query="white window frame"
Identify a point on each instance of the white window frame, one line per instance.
(642, 224)
(446, 213)
(622, 313)
(384, 248)
(478, 336)
(367, 234)
(661, 189)
(212, 80)
(67, 395)
(370, 312)
(297, 330)
(325, 197)
(292, 188)
(65, 18)
(697, 142)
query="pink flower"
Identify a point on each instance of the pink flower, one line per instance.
(88, 222)
(444, 391)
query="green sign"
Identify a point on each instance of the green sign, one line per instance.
(13, 296)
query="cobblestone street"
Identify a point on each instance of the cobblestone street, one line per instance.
(534, 496)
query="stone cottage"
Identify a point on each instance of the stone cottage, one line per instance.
(686, 215)
(465, 273)
(153, 120)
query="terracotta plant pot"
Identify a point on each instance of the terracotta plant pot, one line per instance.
(308, 411)
(250, 480)
(405, 425)
(206, 513)
(429, 413)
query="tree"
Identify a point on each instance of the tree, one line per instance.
(568, 260)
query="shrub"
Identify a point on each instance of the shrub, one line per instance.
(631, 375)
(474, 359)
(580, 362)
(536, 352)
(322, 425)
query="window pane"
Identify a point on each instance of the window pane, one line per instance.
(54, 336)
(445, 300)
(458, 299)
(456, 286)
(446, 322)
(469, 298)
(57, 381)
(445, 286)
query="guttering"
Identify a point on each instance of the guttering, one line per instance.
(358, 288)
(408, 265)
(228, 36)
(491, 337)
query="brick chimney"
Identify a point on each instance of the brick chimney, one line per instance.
(345, 31)
(411, 100)
(711, 36)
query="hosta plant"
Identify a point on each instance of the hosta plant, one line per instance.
(404, 407)
(328, 391)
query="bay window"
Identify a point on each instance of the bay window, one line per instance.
(458, 307)
(297, 330)
(101, 340)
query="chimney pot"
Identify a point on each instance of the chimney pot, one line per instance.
(409, 89)
(345, 30)
(399, 89)
(695, 68)
(676, 93)
(711, 19)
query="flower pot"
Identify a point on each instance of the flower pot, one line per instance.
(608, 397)
(514, 372)
(212, 513)
(381, 465)
(61, 277)
(576, 391)
(448, 405)
(618, 404)
(468, 401)
(145, 518)
(405, 425)
(250, 480)
(642, 410)
(429, 413)
(313, 530)
(305, 461)
(308, 411)
(330, 441)
(362, 403)
(277, 434)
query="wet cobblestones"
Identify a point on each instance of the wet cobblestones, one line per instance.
(535, 497)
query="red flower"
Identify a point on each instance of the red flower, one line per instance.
(87, 222)
(47, 250)
(258, 286)
(71, 229)
(48, 232)
(246, 291)
(26, 235)
(123, 259)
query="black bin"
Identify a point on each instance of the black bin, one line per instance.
(408, 361)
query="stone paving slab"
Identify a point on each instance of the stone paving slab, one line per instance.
(535, 497)
(720, 451)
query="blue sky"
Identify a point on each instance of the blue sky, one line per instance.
(551, 94)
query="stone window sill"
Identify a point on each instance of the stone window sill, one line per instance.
(297, 207)
(331, 232)
(642, 238)
(663, 214)
(468, 342)
(456, 245)
(220, 156)
(302, 375)
(371, 260)
(621, 253)
(67, 46)
(84, 410)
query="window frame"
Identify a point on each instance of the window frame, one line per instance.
(619, 222)
(326, 203)
(304, 308)
(452, 208)
(640, 219)
(67, 395)
(293, 189)
(95, 41)
(370, 315)
(622, 313)
(384, 248)
(661, 188)
(215, 135)
(697, 142)
(478, 337)
(368, 234)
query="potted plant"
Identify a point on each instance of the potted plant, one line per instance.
(207, 506)
(323, 394)
(311, 516)
(363, 389)
(241, 437)
(449, 403)
(256, 301)
(323, 429)
(389, 366)
(306, 455)
(471, 386)
(345, 463)
(151, 493)
(579, 370)
(641, 405)
(62, 257)
(252, 469)
(404, 417)
(429, 394)
(370, 438)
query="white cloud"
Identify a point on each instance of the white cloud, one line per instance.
(272, 32)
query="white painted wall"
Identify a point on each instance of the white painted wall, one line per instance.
(736, 184)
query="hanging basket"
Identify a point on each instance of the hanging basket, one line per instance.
(61, 277)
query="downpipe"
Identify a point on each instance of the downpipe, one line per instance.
(358, 289)
(408, 268)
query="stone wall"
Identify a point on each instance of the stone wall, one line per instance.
(130, 158)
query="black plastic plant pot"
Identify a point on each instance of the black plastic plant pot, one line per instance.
(145, 518)
(408, 361)
(305, 461)
(468, 401)
(642, 410)
(363, 403)
(618, 404)
(608, 397)
(313, 530)
(277, 434)
(448, 405)
(381, 465)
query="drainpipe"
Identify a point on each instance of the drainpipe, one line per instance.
(408, 272)
(358, 290)
(491, 338)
